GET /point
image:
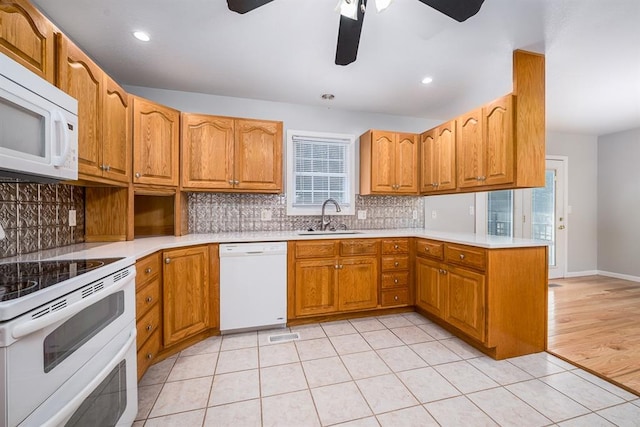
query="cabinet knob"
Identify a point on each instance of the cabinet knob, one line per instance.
(395, 298)
(236, 182)
(336, 266)
(138, 175)
(444, 272)
(395, 280)
(167, 260)
(395, 246)
(148, 270)
(149, 327)
(148, 299)
(149, 356)
(231, 182)
(461, 256)
(107, 168)
(395, 264)
(481, 178)
(426, 248)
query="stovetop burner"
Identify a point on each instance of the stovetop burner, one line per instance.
(23, 278)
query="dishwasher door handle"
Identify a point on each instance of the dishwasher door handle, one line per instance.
(254, 252)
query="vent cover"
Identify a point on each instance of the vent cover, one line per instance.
(284, 337)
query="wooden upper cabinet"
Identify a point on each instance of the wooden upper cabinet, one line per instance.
(258, 155)
(27, 37)
(388, 163)
(470, 149)
(207, 151)
(116, 133)
(81, 78)
(155, 143)
(438, 159)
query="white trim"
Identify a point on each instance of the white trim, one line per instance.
(580, 273)
(290, 186)
(619, 276)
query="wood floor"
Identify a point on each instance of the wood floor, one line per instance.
(594, 322)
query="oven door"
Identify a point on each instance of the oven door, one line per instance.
(103, 393)
(51, 349)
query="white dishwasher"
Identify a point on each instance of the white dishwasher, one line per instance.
(253, 286)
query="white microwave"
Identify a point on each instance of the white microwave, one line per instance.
(38, 127)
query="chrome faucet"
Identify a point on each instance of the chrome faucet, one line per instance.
(323, 220)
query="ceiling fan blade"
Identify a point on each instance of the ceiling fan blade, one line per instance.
(349, 38)
(460, 10)
(244, 6)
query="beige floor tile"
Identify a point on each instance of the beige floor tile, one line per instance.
(461, 348)
(459, 412)
(582, 391)
(412, 334)
(416, 319)
(181, 396)
(282, 379)
(309, 332)
(416, 416)
(434, 353)
(435, 331)
(382, 339)
(364, 365)
(147, 396)
(465, 377)
(210, 345)
(367, 324)
(501, 371)
(237, 360)
(547, 400)
(290, 409)
(536, 364)
(321, 372)
(315, 349)
(394, 321)
(557, 361)
(342, 327)
(362, 422)
(157, 373)
(347, 344)
(589, 420)
(401, 358)
(234, 387)
(339, 403)
(239, 414)
(278, 354)
(187, 367)
(237, 341)
(385, 393)
(263, 336)
(183, 419)
(428, 385)
(505, 408)
(605, 385)
(138, 424)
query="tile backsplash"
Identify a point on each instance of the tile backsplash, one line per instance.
(36, 216)
(222, 212)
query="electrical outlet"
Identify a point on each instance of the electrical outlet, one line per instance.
(72, 217)
(472, 210)
(362, 214)
(434, 214)
(265, 215)
(415, 214)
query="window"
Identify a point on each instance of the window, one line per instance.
(500, 213)
(320, 166)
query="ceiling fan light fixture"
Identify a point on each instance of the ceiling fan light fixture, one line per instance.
(327, 96)
(382, 4)
(348, 8)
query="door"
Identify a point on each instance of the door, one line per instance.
(429, 286)
(406, 164)
(470, 150)
(466, 301)
(258, 156)
(383, 158)
(116, 141)
(316, 287)
(358, 283)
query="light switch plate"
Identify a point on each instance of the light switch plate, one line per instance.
(362, 214)
(72, 217)
(434, 214)
(415, 214)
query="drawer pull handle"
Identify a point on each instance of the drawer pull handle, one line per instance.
(461, 256)
(148, 270)
(396, 264)
(149, 356)
(426, 248)
(149, 327)
(148, 299)
(396, 298)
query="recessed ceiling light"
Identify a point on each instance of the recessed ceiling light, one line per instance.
(328, 96)
(142, 36)
(427, 80)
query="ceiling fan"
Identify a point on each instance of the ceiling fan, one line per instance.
(350, 28)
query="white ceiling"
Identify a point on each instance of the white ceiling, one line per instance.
(285, 50)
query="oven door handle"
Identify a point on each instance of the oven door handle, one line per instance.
(67, 410)
(31, 326)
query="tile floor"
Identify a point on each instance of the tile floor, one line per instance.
(397, 370)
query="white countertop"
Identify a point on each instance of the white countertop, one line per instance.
(141, 247)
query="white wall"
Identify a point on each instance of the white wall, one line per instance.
(619, 203)
(582, 225)
(452, 213)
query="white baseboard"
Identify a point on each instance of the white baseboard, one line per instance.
(581, 273)
(619, 276)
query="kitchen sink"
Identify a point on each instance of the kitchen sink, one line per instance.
(327, 232)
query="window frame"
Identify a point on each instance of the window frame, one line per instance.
(351, 172)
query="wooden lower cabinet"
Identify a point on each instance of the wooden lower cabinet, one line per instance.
(357, 283)
(316, 287)
(429, 286)
(465, 302)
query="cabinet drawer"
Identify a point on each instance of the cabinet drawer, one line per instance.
(147, 297)
(147, 269)
(316, 249)
(395, 246)
(392, 263)
(429, 248)
(147, 353)
(395, 280)
(358, 247)
(147, 325)
(395, 297)
(467, 256)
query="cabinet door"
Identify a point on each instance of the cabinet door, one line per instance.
(357, 283)
(428, 175)
(446, 156)
(116, 132)
(466, 301)
(155, 143)
(470, 149)
(499, 141)
(383, 160)
(186, 296)
(207, 152)
(26, 36)
(258, 156)
(406, 163)
(429, 286)
(82, 79)
(316, 287)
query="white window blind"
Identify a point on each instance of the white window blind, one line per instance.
(321, 167)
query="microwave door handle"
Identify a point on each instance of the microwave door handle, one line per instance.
(31, 326)
(68, 409)
(60, 123)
